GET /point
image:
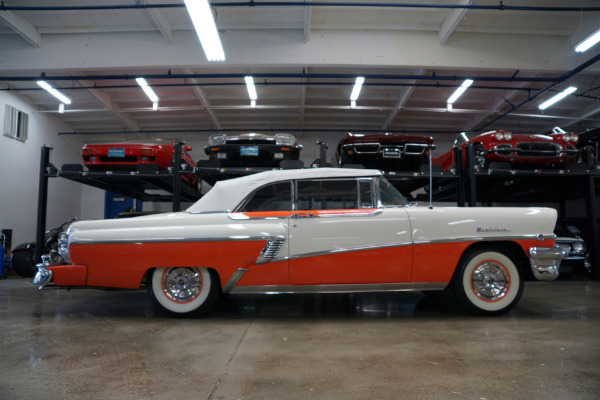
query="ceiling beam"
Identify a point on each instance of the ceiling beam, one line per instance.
(404, 95)
(204, 103)
(110, 106)
(452, 21)
(160, 20)
(307, 22)
(21, 26)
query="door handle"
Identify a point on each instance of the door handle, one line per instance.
(303, 215)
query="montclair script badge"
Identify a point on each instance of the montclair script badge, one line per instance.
(494, 229)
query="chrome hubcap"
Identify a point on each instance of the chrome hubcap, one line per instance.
(182, 284)
(490, 282)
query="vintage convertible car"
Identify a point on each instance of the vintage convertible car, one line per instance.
(312, 230)
(252, 149)
(522, 150)
(389, 152)
(128, 155)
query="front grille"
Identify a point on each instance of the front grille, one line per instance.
(250, 141)
(130, 159)
(367, 148)
(536, 149)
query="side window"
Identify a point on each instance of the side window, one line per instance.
(275, 197)
(334, 194)
(366, 194)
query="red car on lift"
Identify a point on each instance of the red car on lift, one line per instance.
(387, 151)
(520, 150)
(125, 156)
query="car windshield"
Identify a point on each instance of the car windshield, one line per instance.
(390, 196)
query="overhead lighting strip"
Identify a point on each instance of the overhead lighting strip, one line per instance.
(458, 92)
(206, 29)
(588, 42)
(149, 92)
(356, 90)
(251, 90)
(557, 98)
(46, 86)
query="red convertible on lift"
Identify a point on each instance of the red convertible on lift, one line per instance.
(522, 150)
(126, 156)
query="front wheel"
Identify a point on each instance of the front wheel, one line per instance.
(184, 291)
(488, 282)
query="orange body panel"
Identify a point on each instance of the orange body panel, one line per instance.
(384, 265)
(69, 275)
(124, 265)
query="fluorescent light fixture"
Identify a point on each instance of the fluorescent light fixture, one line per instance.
(357, 86)
(449, 106)
(205, 26)
(252, 103)
(558, 97)
(61, 108)
(251, 88)
(459, 91)
(147, 89)
(44, 85)
(588, 42)
(155, 105)
(352, 103)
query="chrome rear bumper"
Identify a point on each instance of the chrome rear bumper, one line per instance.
(545, 262)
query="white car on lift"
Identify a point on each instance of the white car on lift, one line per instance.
(312, 230)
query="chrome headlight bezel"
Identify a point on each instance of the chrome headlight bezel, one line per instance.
(284, 139)
(63, 245)
(578, 248)
(217, 140)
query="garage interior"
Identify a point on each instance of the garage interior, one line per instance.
(304, 58)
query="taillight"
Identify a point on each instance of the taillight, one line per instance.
(87, 151)
(146, 152)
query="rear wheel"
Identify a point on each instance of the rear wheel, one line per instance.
(488, 282)
(184, 291)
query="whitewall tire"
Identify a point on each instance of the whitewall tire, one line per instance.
(488, 282)
(183, 291)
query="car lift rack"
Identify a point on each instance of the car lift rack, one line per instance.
(465, 186)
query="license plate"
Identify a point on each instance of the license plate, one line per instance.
(249, 151)
(391, 153)
(116, 152)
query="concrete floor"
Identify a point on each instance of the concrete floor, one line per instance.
(88, 344)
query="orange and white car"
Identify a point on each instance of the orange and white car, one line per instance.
(312, 230)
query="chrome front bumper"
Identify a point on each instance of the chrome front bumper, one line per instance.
(545, 262)
(44, 276)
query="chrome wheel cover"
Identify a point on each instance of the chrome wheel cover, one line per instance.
(490, 281)
(181, 285)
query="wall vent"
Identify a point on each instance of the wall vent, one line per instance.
(15, 123)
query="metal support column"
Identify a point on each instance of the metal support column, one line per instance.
(471, 175)
(593, 217)
(460, 182)
(42, 204)
(177, 177)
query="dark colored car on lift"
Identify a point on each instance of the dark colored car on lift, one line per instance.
(589, 144)
(519, 150)
(387, 151)
(252, 149)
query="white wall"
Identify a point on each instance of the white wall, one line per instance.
(19, 173)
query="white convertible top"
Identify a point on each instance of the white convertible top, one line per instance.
(227, 194)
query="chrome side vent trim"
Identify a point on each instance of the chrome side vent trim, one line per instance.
(270, 251)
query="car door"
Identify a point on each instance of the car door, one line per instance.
(338, 235)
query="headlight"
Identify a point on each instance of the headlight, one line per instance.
(499, 135)
(63, 244)
(507, 135)
(284, 139)
(574, 138)
(578, 248)
(566, 137)
(217, 140)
